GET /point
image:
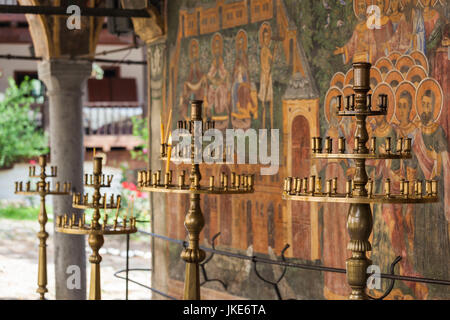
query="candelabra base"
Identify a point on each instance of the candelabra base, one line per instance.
(95, 242)
(359, 225)
(192, 282)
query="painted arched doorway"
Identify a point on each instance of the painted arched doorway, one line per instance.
(301, 216)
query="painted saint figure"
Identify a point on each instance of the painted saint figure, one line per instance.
(266, 58)
(402, 29)
(242, 102)
(194, 87)
(218, 102)
(431, 150)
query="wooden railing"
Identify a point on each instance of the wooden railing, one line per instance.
(108, 124)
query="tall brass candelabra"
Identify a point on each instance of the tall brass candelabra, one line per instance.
(359, 190)
(42, 190)
(194, 221)
(96, 230)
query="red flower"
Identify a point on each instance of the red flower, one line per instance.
(129, 186)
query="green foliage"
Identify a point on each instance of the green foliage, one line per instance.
(323, 25)
(20, 212)
(140, 129)
(19, 136)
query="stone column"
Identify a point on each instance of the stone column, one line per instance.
(156, 55)
(64, 81)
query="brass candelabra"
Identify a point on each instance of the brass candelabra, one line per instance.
(42, 190)
(96, 230)
(194, 221)
(359, 191)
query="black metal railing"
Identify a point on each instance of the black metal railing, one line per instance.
(255, 260)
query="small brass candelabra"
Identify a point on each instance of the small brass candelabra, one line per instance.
(359, 191)
(42, 189)
(194, 222)
(96, 230)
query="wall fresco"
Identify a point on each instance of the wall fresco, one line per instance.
(280, 64)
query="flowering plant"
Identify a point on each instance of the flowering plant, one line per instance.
(133, 199)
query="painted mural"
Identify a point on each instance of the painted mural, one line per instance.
(280, 64)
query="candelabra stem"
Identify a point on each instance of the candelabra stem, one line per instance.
(42, 264)
(95, 242)
(193, 255)
(359, 226)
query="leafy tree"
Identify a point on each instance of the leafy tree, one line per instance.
(19, 136)
(140, 129)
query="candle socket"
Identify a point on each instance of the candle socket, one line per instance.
(348, 188)
(312, 184)
(166, 180)
(373, 145)
(328, 187)
(298, 185)
(407, 145)
(313, 145)
(387, 188)
(399, 145)
(388, 145)
(406, 189)
(304, 186)
(225, 182)
(347, 105)
(328, 145)
(370, 188)
(334, 185)
(289, 185)
(341, 144)
(211, 182)
(319, 185)
(319, 145)
(434, 187)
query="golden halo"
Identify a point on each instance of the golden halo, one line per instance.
(338, 80)
(384, 65)
(384, 88)
(349, 78)
(242, 35)
(392, 77)
(193, 43)
(333, 92)
(265, 26)
(416, 72)
(217, 37)
(393, 56)
(420, 59)
(406, 86)
(375, 77)
(433, 85)
(404, 63)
